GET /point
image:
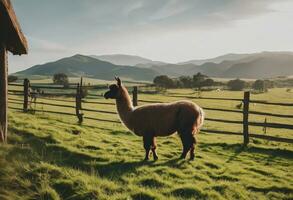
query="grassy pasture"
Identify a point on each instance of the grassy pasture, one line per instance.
(45, 160)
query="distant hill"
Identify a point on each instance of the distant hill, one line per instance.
(130, 60)
(263, 66)
(257, 65)
(174, 70)
(218, 59)
(80, 65)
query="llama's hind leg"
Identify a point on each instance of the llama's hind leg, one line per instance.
(188, 145)
(147, 143)
(192, 148)
(185, 145)
(154, 147)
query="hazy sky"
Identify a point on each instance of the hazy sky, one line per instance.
(165, 30)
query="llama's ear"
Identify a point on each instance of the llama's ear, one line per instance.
(118, 81)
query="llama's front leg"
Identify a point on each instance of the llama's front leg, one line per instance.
(147, 143)
(154, 147)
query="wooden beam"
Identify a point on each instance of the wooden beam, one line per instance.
(15, 42)
(3, 93)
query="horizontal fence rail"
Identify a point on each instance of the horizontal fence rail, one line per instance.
(271, 103)
(15, 84)
(99, 111)
(267, 137)
(13, 108)
(56, 94)
(79, 101)
(52, 87)
(15, 94)
(53, 104)
(53, 112)
(12, 99)
(16, 91)
(54, 99)
(272, 125)
(221, 132)
(206, 98)
(224, 120)
(98, 103)
(103, 120)
(271, 114)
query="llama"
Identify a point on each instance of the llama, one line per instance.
(161, 119)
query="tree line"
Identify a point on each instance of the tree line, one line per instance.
(197, 81)
(200, 81)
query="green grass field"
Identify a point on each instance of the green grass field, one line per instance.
(45, 160)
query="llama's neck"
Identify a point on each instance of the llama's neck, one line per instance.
(124, 107)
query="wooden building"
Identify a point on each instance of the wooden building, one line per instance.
(11, 39)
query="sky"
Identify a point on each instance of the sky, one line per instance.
(164, 30)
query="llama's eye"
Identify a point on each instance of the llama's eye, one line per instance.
(113, 87)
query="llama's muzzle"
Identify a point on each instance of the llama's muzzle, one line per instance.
(107, 95)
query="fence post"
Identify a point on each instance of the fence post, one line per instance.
(80, 100)
(26, 85)
(134, 96)
(245, 117)
(78, 104)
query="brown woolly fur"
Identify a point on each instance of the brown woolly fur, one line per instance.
(162, 119)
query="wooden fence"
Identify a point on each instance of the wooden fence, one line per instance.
(79, 102)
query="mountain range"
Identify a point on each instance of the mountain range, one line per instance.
(131, 60)
(254, 66)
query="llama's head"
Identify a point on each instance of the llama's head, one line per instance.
(115, 90)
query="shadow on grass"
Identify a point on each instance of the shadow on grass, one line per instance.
(47, 149)
(239, 148)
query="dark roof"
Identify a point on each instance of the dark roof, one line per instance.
(10, 33)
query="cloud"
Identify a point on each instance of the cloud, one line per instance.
(100, 15)
(42, 45)
(168, 29)
(173, 13)
(40, 51)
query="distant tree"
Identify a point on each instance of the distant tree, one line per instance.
(12, 78)
(269, 84)
(61, 79)
(186, 81)
(236, 84)
(208, 82)
(259, 85)
(198, 80)
(163, 81)
(177, 83)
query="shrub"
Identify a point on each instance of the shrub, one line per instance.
(61, 79)
(12, 78)
(236, 85)
(163, 81)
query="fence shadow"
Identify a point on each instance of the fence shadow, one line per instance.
(238, 148)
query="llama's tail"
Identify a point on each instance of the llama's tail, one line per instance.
(200, 118)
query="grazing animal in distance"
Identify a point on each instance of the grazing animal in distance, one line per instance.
(239, 106)
(156, 120)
